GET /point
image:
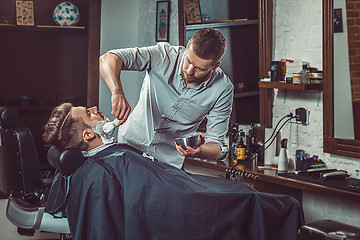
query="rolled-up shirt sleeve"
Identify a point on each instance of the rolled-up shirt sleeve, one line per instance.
(219, 117)
(142, 58)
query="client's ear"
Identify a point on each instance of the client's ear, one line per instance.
(88, 134)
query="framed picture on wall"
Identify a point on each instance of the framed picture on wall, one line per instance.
(162, 21)
(192, 11)
(25, 13)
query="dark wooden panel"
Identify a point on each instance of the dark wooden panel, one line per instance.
(265, 57)
(49, 65)
(356, 111)
(94, 53)
(263, 186)
(3, 195)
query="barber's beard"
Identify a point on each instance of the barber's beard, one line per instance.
(198, 80)
(98, 129)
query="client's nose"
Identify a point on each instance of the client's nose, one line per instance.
(93, 110)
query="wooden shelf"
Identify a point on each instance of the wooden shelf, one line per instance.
(230, 23)
(42, 28)
(291, 86)
(246, 94)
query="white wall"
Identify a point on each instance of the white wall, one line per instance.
(125, 24)
(298, 35)
(119, 21)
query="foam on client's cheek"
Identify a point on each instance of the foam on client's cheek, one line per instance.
(98, 128)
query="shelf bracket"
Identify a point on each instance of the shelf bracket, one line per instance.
(285, 95)
(318, 97)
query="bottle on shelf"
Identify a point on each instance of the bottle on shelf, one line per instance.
(304, 74)
(241, 148)
(251, 146)
(283, 159)
(232, 141)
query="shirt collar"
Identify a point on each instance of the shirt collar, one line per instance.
(181, 63)
(94, 151)
(210, 80)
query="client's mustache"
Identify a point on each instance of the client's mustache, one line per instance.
(102, 115)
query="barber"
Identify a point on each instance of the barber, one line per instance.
(181, 87)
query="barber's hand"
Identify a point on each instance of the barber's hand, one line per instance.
(120, 107)
(189, 151)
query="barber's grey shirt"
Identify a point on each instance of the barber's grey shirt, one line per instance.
(167, 109)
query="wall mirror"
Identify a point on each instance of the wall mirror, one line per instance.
(340, 125)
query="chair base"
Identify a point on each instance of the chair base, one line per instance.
(328, 230)
(34, 218)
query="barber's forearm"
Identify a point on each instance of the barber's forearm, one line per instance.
(110, 68)
(209, 150)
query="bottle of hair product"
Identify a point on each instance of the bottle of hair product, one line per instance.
(241, 148)
(304, 74)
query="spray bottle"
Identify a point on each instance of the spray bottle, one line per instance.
(283, 160)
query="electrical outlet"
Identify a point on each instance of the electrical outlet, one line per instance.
(302, 116)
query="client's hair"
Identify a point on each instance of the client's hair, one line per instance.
(209, 44)
(64, 131)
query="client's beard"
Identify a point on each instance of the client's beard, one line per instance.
(98, 129)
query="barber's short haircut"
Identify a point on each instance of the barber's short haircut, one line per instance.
(64, 131)
(209, 44)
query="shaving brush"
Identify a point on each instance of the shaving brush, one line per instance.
(110, 127)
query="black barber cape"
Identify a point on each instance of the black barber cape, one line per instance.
(118, 194)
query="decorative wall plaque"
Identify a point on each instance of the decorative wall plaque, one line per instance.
(25, 13)
(192, 11)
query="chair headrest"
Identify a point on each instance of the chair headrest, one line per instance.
(8, 116)
(66, 161)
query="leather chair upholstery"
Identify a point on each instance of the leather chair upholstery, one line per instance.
(65, 161)
(21, 178)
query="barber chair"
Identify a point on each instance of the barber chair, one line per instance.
(327, 229)
(22, 180)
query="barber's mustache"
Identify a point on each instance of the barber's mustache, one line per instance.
(184, 75)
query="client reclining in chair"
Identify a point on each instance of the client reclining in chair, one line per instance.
(119, 194)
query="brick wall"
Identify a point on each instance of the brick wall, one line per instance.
(353, 23)
(298, 35)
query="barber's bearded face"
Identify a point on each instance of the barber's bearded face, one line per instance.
(192, 78)
(195, 70)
